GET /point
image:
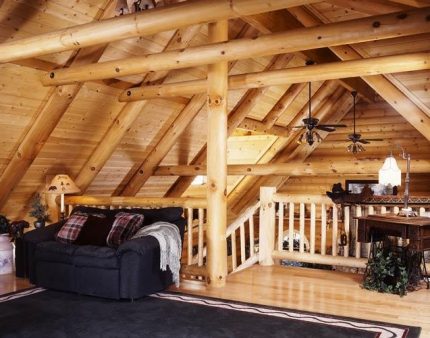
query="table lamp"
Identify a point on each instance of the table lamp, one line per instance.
(62, 184)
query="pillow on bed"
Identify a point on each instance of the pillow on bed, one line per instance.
(95, 231)
(124, 227)
(70, 230)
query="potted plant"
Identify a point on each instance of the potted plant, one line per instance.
(39, 211)
(6, 248)
(4, 225)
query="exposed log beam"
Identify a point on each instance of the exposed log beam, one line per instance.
(282, 105)
(278, 21)
(318, 72)
(259, 127)
(333, 34)
(236, 116)
(369, 6)
(217, 162)
(297, 168)
(143, 23)
(174, 131)
(126, 118)
(387, 90)
(47, 118)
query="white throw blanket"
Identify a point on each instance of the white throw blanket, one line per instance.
(169, 238)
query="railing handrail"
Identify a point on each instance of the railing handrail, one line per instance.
(286, 198)
(126, 201)
(250, 211)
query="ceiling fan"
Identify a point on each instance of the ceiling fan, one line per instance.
(355, 138)
(311, 123)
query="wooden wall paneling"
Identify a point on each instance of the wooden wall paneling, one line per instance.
(235, 117)
(143, 23)
(47, 119)
(369, 7)
(389, 92)
(127, 117)
(354, 31)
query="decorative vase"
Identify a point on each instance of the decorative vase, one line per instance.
(39, 224)
(6, 255)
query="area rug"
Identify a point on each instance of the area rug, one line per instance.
(45, 313)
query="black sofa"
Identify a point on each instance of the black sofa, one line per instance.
(130, 271)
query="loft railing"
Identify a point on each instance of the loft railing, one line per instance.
(312, 229)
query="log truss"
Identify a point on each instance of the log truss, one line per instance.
(304, 24)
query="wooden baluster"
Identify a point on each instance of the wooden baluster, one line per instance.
(358, 213)
(267, 226)
(251, 236)
(335, 229)
(242, 243)
(346, 225)
(291, 227)
(190, 236)
(396, 210)
(233, 250)
(370, 210)
(323, 229)
(302, 228)
(313, 221)
(383, 210)
(422, 211)
(280, 225)
(201, 239)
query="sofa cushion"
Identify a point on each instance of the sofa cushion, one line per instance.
(124, 226)
(96, 256)
(55, 252)
(170, 214)
(95, 231)
(70, 230)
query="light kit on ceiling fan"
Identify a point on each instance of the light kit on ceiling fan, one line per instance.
(356, 145)
(311, 124)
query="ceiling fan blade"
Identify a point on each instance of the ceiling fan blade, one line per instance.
(334, 125)
(374, 139)
(302, 127)
(363, 141)
(326, 128)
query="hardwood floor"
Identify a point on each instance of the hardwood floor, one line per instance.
(328, 292)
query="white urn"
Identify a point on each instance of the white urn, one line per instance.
(6, 255)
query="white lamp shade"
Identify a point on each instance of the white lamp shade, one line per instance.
(390, 172)
(63, 184)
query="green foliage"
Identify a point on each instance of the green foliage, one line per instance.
(38, 209)
(4, 225)
(386, 272)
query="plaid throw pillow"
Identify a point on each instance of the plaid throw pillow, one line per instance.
(123, 228)
(70, 230)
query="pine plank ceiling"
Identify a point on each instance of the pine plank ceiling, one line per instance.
(94, 107)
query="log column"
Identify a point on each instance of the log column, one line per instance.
(217, 162)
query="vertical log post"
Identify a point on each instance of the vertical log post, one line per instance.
(217, 161)
(267, 225)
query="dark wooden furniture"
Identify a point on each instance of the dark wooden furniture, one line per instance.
(374, 228)
(416, 229)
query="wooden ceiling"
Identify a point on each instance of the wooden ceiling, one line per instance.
(82, 129)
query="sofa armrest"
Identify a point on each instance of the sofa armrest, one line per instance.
(141, 245)
(43, 234)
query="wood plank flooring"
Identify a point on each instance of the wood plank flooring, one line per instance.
(322, 291)
(328, 292)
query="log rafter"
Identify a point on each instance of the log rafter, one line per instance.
(147, 22)
(333, 34)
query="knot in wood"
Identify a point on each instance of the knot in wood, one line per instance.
(215, 100)
(51, 75)
(376, 24)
